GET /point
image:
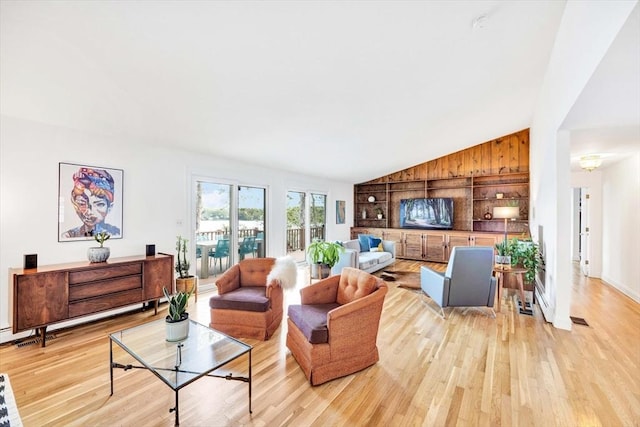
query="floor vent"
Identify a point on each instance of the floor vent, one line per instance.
(33, 340)
(579, 321)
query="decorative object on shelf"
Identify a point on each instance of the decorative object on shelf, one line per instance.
(99, 253)
(88, 197)
(184, 281)
(178, 319)
(371, 199)
(499, 195)
(590, 162)
(379, 212)
(488, 215)
(506, 212)
(364, 213)
(340, 211)
(323, 255)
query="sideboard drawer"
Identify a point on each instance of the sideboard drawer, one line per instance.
(107, 272)
(104, 287)
(107, 302)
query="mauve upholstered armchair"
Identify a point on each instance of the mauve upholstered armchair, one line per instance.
(333, 332)
(246, 305)
(467, 282)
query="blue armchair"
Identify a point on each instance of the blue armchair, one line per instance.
(467, 282)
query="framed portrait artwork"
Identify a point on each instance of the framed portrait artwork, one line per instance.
(340, 212)
(89, 201)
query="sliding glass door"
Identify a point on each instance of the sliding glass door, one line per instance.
(300, 231)
(213, 228)
(251, 220)
(229, 226)
(318, 216)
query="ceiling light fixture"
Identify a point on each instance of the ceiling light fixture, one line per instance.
(480, 22)
(590, 162)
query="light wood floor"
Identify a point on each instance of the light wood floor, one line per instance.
(467, 370)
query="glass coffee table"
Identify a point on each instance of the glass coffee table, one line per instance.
(178, 364)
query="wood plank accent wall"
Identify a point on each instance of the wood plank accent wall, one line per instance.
(472, 177)
(507, 154)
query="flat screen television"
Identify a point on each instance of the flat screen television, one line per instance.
(427, 213)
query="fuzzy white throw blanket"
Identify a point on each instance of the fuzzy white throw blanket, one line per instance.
(284, 271)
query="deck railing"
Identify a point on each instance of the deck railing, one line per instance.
(221, 234)
(295, 236)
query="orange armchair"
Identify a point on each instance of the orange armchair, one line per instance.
(333, 332)
(246, 305)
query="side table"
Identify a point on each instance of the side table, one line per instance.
(518, 272)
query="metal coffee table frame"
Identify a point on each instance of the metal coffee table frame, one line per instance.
(178, 364)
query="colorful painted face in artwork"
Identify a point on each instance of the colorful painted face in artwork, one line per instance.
(92, 198)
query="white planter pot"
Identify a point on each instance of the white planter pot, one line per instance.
(503, 259)
(98, 254)
(319, 271)
(177, 331)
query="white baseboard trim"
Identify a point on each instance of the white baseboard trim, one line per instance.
(634, 295)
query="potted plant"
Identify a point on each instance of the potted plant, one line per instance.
(502, 257)
(99, 253)
(184, 281)
(323, 255)
(525, 254)
(178, 319)
(379, 212)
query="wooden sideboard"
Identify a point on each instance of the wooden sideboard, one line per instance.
(54, 293)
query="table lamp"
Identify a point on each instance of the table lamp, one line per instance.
(506, 212)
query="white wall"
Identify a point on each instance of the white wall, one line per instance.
(586, 32)
(156, 201)
(621, 228)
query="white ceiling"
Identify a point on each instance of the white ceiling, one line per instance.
(605, 119)
(350, 90)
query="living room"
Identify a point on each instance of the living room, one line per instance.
(157, 204)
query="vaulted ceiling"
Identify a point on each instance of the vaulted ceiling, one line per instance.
(349, 90)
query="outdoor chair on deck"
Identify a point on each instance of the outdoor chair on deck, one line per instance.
(467, 282)
(246, 246)
(221, 251)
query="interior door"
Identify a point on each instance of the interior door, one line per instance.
(584, 231)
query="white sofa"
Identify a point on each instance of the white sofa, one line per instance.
(354, 256)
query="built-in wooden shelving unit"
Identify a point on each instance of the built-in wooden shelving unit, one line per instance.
(474, 178)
